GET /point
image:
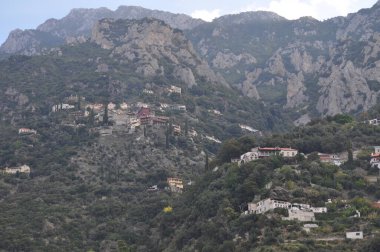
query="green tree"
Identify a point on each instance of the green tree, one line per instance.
(206, 162)
(105, 116)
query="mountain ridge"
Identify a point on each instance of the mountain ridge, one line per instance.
(316, 68)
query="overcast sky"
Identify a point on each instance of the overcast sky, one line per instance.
(27, 14)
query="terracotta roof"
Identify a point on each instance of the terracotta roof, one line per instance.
(275, 149)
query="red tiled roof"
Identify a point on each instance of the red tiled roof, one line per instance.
(275, 149)
(376, 204)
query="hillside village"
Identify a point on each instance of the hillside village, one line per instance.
(248, 133)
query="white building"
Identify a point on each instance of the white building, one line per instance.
(306, 212)
(266, 205)
(26, 131)
(354, 235)
(20, 169)
(319, 209)
(374, 122)
(62, 106)
(288, 152)
(174, 89)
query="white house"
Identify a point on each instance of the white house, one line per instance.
(288, 152)
(26, 131)
(174, 89)
(354, 235)
(266, 205)
(62, 106)
(270, 204)
(20, 169)
(374, 122)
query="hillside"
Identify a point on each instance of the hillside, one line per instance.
(213, 214)
(137, 136)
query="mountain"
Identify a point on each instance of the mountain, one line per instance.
(316, 68)
(310, 67)
(79, 23)
(106, 122)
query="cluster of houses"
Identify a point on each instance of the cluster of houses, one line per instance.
(265, 152)
(18, 169)
(297, 211)
(131, 115)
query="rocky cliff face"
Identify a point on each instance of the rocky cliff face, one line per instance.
(323, 68)
(79, 22)
(154, 48)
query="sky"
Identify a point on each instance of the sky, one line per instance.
(28, 14)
